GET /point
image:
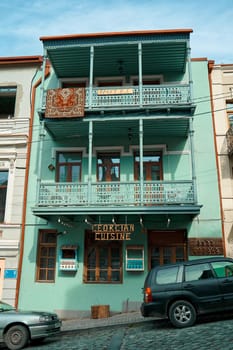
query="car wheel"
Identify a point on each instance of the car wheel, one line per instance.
(16, 337)
(182, 314)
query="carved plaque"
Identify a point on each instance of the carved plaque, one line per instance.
(205, 246)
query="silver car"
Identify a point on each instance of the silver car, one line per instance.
(17, 327)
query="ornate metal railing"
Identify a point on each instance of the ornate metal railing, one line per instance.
(116, 193)
(130, 96)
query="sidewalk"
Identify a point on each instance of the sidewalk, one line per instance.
(117, 319)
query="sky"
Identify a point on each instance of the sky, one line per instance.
(23, 22)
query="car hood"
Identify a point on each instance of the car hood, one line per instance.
(29, 313)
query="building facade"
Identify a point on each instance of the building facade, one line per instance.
(121, 169)
(222, 99)
(16, 74)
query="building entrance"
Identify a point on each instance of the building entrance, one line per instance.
(166, 247)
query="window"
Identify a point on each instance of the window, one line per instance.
(223, 268)
(7, 101)
(108, 167)
(3, 191)
(69, 166)
(74, 84)
(166, 276)
(46, 256)
(103, 261)
(198, 272)
(152, 166)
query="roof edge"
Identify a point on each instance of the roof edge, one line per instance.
(21, 60)
(108, 34)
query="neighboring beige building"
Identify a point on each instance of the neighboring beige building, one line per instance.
(222, 92)
(16, 79)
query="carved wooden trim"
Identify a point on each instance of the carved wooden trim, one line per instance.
(205, 246)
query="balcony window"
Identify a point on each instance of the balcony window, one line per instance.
(74, 84)
(152, 166)
(3, 191)
(108, 167)
(7, 102)
(69, 166)
(109, 81)
(147, 80)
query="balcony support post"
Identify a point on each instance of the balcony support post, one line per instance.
(90, 135)
(140, 72)
(91, 76)
(141, 158)
(194, 179)
(190, 73)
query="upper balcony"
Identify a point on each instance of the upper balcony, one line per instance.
(126, 71)
(62, 103)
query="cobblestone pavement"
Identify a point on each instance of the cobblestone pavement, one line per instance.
(210, 333)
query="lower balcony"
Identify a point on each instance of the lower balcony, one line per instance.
(122, 197)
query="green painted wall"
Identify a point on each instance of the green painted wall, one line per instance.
(69, 292)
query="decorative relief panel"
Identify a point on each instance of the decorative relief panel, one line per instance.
(205, 246)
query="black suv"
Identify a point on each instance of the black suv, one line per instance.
(183, 290)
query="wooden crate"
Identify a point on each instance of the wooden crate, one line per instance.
(100, 311)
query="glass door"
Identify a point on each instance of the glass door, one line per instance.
(166, 247)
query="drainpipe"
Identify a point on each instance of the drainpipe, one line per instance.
(141, 157)
(26, 189)
(140, 72)
(91, 75)
(43, 79)
(191, 130)
(194, 178)
(90, 160)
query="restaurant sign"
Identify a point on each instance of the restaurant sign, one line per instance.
(113, 232)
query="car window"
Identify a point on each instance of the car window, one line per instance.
(198, 272)
(168, 275)
(223, 268)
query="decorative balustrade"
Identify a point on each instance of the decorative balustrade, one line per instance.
(116, 194)
(129, 96)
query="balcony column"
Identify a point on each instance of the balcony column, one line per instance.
(91, 75)
(90, 136)
(194, 178)
(42, 102)
(141, 158)
(39, 164)
(190, 73)
(140, 72)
